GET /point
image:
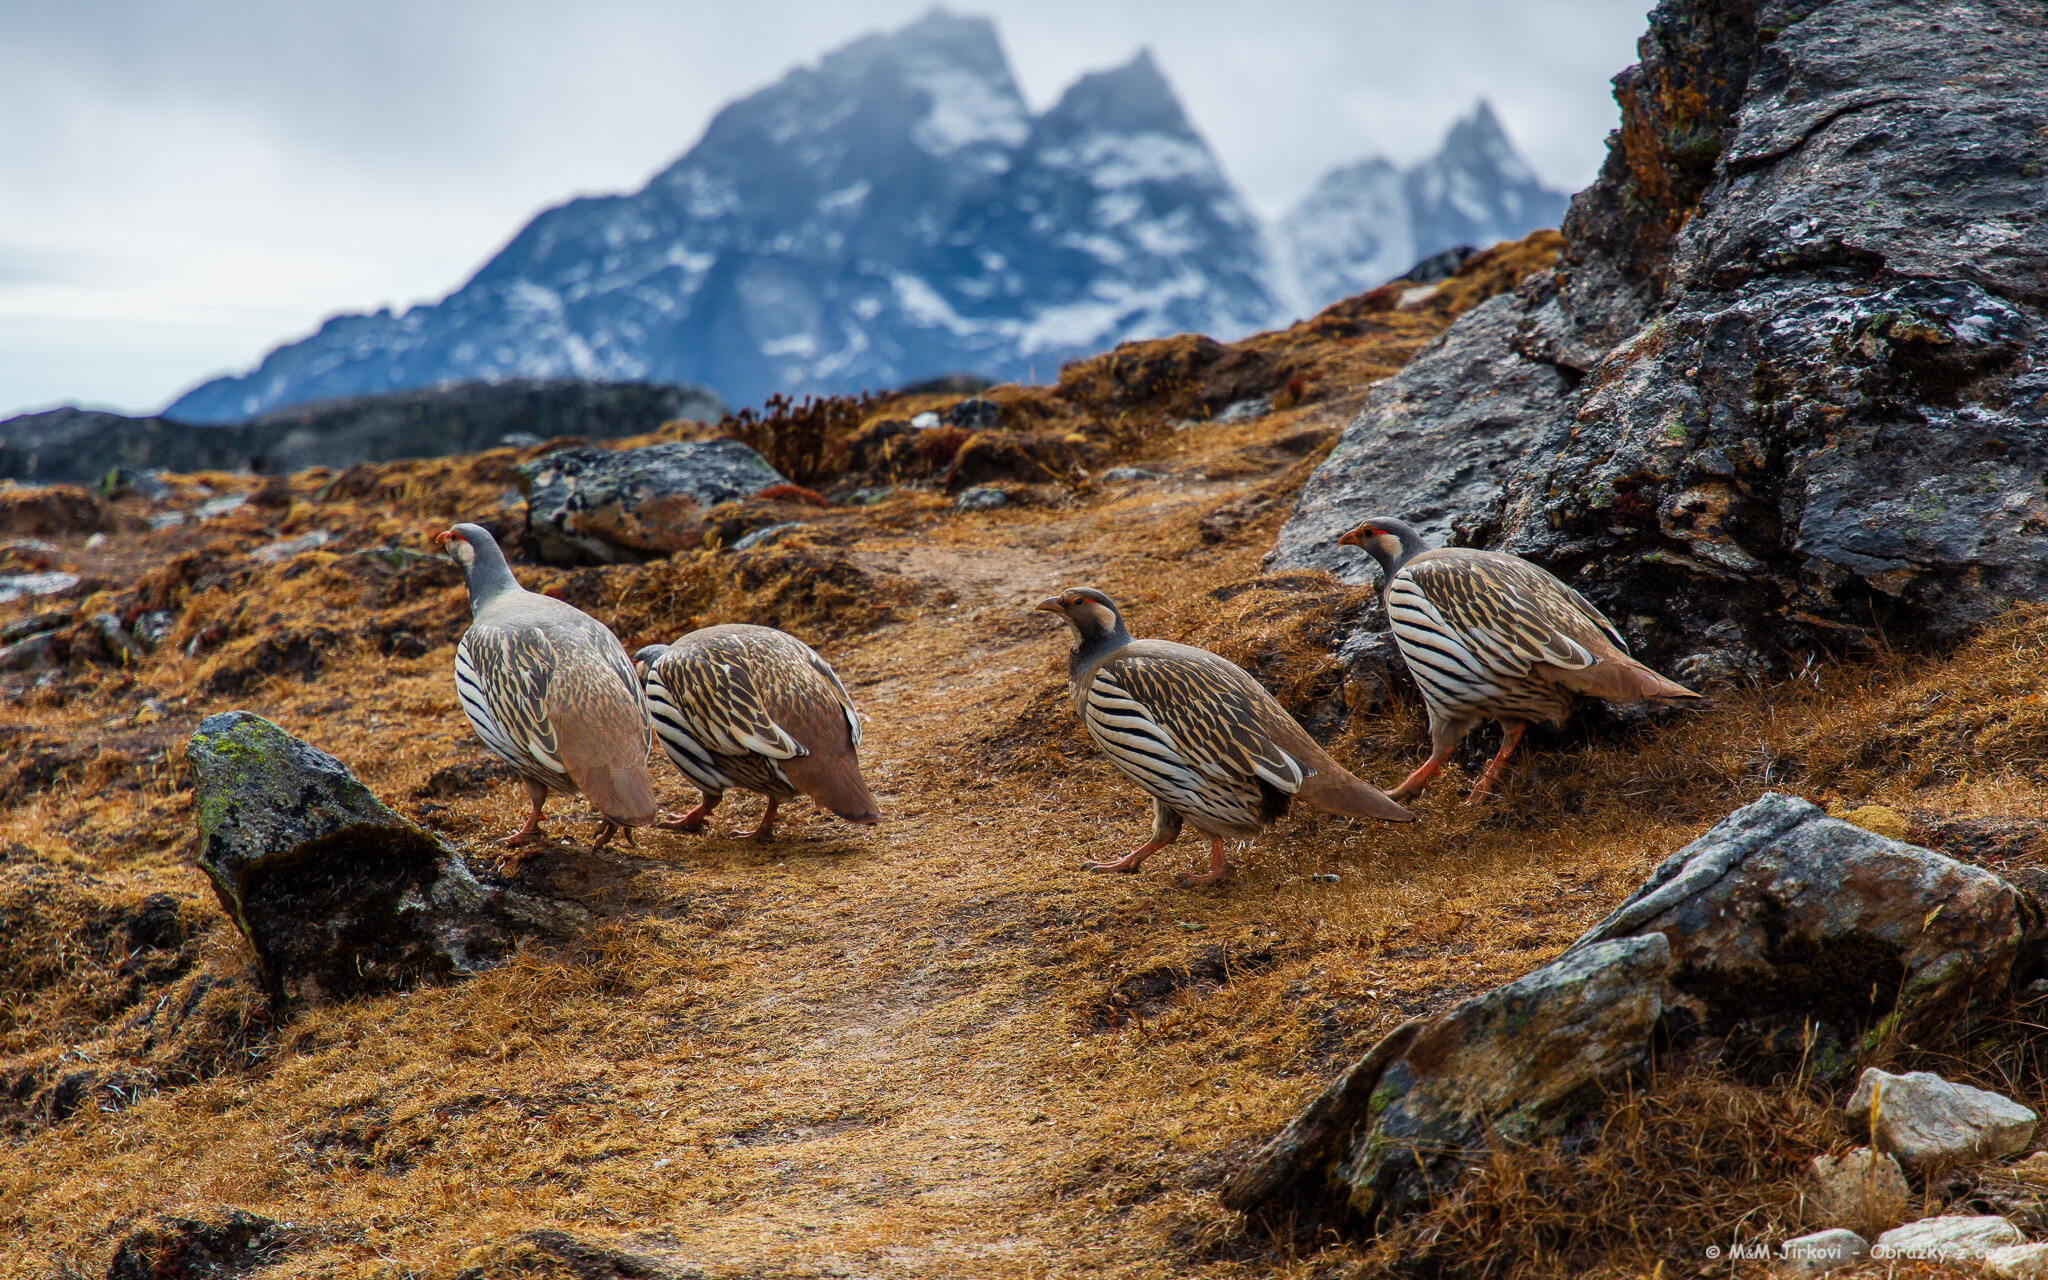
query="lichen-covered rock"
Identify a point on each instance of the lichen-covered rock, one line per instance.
(1423, 447)
(1781, 930)
(1836, 420)
(1794, 343)
(1781, 914)
(1928, 1122)
(1958, 1239)
(1862, 1188)
(599, 506)
(337, 895)
(1520, 1062)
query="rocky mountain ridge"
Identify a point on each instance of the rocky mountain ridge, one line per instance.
(80, 446)
(897, 212)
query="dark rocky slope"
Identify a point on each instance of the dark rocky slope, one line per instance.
(1784, 391)
(82, 445)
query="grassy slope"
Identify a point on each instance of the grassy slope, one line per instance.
(907, 1050)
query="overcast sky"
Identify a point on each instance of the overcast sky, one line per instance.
(185, 183)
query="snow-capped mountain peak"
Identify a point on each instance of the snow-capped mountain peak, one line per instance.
(1366, 222)
(896, 211)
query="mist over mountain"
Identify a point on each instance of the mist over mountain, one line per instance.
(1363, 224)
(896, 212)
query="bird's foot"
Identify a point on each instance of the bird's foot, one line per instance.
(1123, 864)
(606, 830)
(694, 826)
(765, 832)
(1218, 867)
(527, 835)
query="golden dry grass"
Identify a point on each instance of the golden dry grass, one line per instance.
(886, 1051)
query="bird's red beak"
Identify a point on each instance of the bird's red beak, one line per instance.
(1349, 539)
(1051, 604)
(446, 535)
(1357, 537)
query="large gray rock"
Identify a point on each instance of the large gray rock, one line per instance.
(1804, 294)
(1783, 914)
(337, 895)
(597, 506)
(1832, 425)
(1930, 1123)
(1517, 1063)
(1425, 447)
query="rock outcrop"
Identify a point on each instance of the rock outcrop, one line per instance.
(83, 445)
(1781, 934)
(599, 506)
(1781, 914)
(337, 895)
(1931, 1123)
(1799, 316)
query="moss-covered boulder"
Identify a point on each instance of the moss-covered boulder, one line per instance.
(337, 895)
(1519, 1062)
(1781, 937)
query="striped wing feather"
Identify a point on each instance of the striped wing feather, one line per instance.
(1202, 735)
(501, 678)
(752, 707)
(1200, 704)
(1487, 633)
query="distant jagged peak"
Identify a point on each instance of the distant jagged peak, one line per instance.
(1132, 98)
(1121, 128)
(1479, 138)
(950, 72)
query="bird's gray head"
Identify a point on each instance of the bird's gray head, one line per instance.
(1387, 540)
(484, 570)
(646, 656)
(1096, 621)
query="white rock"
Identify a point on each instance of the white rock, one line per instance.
(2017, 1262)
(1927, 1121)
(1952, 1239)
(1821, 1252)
(1864, 1189)
(925, 421)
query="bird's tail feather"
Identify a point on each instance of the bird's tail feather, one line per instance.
(1622, 679)
(833, 780)
(1334, 790)
(622, 793)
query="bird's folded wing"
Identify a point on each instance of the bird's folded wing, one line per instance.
(717, 700)
(503, 676)
(1191, 711)
(1511, 614)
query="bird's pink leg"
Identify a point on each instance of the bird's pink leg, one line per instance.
(1412, 786)
(1129, 862)
(1218, 868)
(1511, 733)
(531, 832)
(694, 819)
(766, 831)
